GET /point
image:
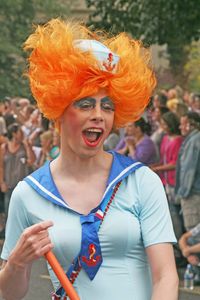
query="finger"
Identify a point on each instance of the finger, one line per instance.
(35, 250)
(34, 229)
(33, 240)
(40, 251)
(41, 235)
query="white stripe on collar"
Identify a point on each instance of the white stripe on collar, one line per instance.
(46, 191)
(120, 175)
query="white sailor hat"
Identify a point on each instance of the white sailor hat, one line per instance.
(108, 60)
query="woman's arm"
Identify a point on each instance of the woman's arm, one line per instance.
(164, 274)
(3, 186)
(15, 273)
(123, 150)
(29, 152)
(165, 167)
(183, 240)
(189, 250)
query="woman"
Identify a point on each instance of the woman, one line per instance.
(169, 151)
(18, 158)
(137, 144)
(158, 133)
(95, 199)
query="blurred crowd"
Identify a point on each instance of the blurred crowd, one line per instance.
(166, 138)
(27, 141)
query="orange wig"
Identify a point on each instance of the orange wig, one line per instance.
(61, 73)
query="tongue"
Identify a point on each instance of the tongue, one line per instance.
(91, 136)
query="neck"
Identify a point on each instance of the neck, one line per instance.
(73, 166)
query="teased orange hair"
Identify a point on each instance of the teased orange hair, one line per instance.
(60, 73)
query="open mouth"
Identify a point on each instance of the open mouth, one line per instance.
(92, 136)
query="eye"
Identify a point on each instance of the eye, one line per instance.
(107, 106)
(85, 104)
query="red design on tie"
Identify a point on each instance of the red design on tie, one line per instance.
(108, 65)
(91, 261)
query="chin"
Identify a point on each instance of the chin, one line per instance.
(89, 153)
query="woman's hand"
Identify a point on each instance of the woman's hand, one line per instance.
(15, 273)
(130, 141)
(186, 251)
(193, 260)
(4, 187)
(33, 243)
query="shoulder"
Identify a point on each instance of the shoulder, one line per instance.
(22, 191)
(192, 141)
(148, 179)
(146, 182)
(196, 138)
(147, 140)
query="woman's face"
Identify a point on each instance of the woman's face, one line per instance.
(18, 135)
(156, 101)
(130, 129)
(56, 138)
(86, 123)
(185, 126)
(164, 126)
(156, 114)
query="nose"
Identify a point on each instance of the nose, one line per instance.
(97, 114)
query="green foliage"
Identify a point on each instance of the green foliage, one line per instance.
(175, 23)
(192, 67)
(16, 19)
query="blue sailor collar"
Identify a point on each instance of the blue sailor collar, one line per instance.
(42, 181)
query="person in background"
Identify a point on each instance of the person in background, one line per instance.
(195, 105)
(112, 140)
(137, 144)
(187, 189)
(2, 205)
(169, 149)
(8, 114)
(107, 215)
(189, 244)
(19, 107)
(158, 133)
(55, 149)
(3, 129)
(166, 169)
(3, 132)
(46, 141)
(157, 101)
(33, 128)
(18, 158)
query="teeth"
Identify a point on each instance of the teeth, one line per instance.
(95, 130)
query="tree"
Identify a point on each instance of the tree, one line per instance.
(192, 66)
(174, 23)
(16, 19)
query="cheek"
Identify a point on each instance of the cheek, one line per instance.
(111, 122)
(73, 123)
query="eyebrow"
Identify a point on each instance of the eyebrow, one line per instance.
(106, 99)
(90, 99)
(93, 100)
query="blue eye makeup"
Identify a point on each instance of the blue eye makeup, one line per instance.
(107, 104)
(85, 103)
(89, 103)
